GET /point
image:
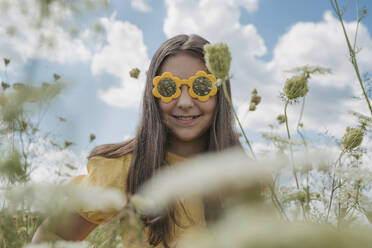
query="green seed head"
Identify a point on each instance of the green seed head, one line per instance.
(352, 138)
(134, 73)
(296, 87)
(218, 59)
(252, 106)
(281, 119)
(256, 99)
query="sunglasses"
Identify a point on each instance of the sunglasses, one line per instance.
(168, 87)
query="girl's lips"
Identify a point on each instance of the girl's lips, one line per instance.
(186, 119)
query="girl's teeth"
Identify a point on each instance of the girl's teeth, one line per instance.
(185, 118)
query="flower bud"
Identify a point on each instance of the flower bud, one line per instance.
(252, 106)
(134, 73)
(218, 58)
(296, 87)
(256, 99)
(281, 119)
(352, 138)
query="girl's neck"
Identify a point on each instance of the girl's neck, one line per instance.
(187, 148)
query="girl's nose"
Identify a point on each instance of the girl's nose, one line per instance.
(185, 101)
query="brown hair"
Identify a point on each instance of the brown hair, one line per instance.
(149, 145)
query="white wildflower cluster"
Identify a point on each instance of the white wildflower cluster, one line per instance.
(206, 174)
(249, 228)
(360, 175)
(60, 244)
(48, 198)
(227, 171)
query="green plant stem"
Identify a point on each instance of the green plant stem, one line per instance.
(357, 27)
(290, 145)
(237, 118)
(291, 152)
(333, 185)
(352, 53)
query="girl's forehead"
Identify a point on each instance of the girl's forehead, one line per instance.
(183, 65)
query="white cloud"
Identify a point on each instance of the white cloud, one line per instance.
(125, 50)
(48, 41)
(49, 163)
(140, 5)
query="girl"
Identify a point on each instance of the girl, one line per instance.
(183, 114)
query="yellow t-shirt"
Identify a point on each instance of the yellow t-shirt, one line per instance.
(112, 173)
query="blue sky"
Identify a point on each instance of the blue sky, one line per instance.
(266, 38)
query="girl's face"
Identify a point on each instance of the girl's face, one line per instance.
(187, 118)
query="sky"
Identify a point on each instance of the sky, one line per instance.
(266, 38)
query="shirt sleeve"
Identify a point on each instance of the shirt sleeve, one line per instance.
(105, 173)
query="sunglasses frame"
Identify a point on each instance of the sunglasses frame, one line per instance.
(179, 82)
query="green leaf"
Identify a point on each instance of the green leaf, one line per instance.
(61, 119)
(92, 137)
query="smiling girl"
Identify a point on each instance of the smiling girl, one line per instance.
(184, 114)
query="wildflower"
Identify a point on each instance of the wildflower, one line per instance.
(6, 61)
(252, 106)
(297, 195)
(56, 76)
(60, 244)
(210, 174)
(19, 86)
(48, 198)
(323, 167)
(92, 137)
(255, 100)
(139, 203)
(4, 85)
(134, 73)
(352, 138)
(13, 168)
(218, 59)
(296, 87)
(281, 119)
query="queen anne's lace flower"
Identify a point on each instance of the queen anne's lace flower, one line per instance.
(218, 59)
(352, 138)
(296, 87)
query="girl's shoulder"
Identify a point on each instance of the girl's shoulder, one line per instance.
(108, 172)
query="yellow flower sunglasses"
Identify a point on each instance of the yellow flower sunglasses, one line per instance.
(168, 87)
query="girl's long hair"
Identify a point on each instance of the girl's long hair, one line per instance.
(149, 146)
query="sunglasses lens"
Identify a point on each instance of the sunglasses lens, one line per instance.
(202, 86)
(167, 87)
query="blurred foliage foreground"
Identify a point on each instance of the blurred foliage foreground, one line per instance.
(292, 196)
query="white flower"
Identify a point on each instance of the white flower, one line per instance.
(49, 198)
